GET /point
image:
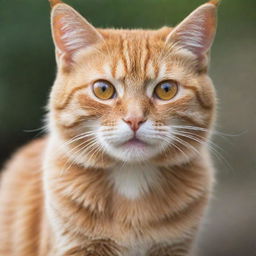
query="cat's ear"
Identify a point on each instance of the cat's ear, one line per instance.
(196, 32)
(71, 32)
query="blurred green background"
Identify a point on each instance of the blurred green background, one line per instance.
(27, 70)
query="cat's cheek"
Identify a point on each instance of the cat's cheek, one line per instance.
(111, 137)
(68, 119)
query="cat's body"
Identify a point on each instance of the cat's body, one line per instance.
(122, 175)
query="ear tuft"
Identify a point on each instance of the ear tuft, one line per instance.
(55, 2)
(215, 2)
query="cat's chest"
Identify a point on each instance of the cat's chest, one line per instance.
(134, 181)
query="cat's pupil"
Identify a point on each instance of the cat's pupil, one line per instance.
(103, 88)
(166, 87)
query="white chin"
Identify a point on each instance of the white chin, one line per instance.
(133, 153)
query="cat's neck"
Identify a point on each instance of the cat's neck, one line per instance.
(127, 193)
(130, 181)
(134, 180)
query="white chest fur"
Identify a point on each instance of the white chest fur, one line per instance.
(132, 181)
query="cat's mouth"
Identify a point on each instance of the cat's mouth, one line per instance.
(135, 142)
(129, 146)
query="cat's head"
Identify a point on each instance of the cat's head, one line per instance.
(132, 95)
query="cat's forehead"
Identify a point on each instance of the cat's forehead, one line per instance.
(133, 54)
(129, 59)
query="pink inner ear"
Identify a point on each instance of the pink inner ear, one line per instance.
(70, 35)
(197, 31)
(71, 31)
(58, 33)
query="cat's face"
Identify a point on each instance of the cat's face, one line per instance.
(131, 95)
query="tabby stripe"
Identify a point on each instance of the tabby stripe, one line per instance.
(190, 120)
(122, 50)
(156, 69)
(126, 55)
(114, 66)
(147, 57)
(198, 97)
(68, 98)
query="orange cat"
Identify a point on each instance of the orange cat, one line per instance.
(125, 168)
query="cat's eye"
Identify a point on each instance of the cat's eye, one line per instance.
(166, 90)
(104, 90)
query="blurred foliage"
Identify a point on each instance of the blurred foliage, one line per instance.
(27, 70)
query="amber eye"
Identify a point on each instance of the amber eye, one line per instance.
(166, 90)
(104, 90)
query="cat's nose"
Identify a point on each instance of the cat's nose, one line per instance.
(134, 122)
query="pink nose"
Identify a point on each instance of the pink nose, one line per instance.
(134, 122)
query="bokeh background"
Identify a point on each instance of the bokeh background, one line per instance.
(27, 71)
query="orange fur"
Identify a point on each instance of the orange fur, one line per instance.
(54, 2)
(75, 192)
(215, 2)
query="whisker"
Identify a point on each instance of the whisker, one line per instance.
(199, 139)
(94, 151)
(76, 138)
(214, 131)
(78, 153)
(186, 145)
(43, 128)
(210, 145)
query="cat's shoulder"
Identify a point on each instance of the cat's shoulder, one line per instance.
(28, 156)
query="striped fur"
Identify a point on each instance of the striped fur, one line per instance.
(86, 189)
